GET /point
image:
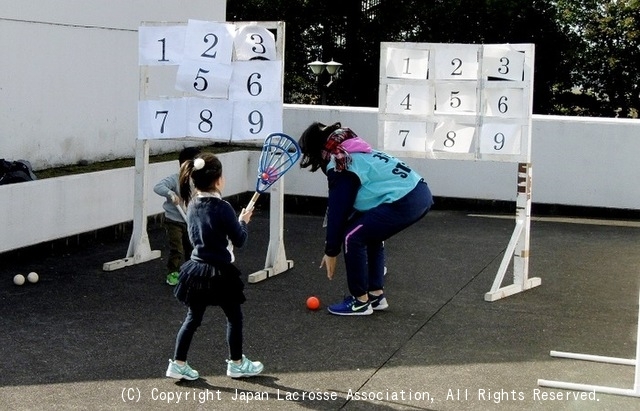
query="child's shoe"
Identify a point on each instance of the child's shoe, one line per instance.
(172, 278)
(181, 372)
(378, 302)
(351, 306)
(246, 368)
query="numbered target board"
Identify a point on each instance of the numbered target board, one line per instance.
(215, 80)
(456, 101)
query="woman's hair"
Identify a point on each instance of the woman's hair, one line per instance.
(203, 172)
(312, 142)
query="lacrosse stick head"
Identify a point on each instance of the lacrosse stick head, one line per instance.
(279, 153)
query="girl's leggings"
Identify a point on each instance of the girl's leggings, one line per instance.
(193, 320)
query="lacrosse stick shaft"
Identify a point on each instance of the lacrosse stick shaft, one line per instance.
(182, 213)
(253, 200)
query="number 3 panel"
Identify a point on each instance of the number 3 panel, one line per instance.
(209, 118)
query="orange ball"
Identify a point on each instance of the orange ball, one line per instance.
(313, 303)
(265, 177)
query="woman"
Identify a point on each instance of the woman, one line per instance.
(372, 196)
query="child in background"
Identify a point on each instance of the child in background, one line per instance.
(209, 277)
(176, 227)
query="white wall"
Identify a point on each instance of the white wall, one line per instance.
(69, 78)
(576, 161)
(69, 84)
(45, 210)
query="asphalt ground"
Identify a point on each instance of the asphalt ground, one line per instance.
(85, 339)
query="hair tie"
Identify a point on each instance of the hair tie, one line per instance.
(198, 163)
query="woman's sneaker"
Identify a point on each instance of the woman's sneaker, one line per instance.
(378, 302)
(351, 306)
(181, 372)
(246, 368)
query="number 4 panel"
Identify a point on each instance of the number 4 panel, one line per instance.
(415, 98)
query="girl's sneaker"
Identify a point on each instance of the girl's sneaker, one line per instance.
(181, 372)
(378, 302)
(246, 368)
(172, 278)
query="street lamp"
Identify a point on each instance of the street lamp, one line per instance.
(318, 67)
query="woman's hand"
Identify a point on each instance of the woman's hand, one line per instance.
(330, 264)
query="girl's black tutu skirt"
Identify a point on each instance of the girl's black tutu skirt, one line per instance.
(204, 284)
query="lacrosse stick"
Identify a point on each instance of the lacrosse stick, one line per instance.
(279, 153)
(182, 212)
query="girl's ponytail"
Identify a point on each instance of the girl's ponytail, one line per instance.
(184, 181)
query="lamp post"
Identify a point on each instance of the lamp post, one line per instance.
(319, 68)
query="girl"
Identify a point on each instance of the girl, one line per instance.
(209, 277)
(372, 196)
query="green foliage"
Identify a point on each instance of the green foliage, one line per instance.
(586, 57)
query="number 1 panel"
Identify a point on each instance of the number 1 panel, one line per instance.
(160, 45)
(407, 63)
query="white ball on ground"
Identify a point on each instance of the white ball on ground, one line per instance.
(18, 279)
(33, 277)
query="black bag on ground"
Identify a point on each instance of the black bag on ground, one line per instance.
(15, 171)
